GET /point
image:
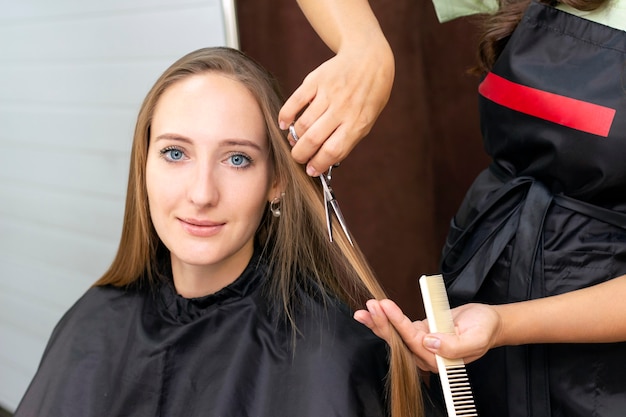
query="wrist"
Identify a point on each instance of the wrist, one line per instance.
(372, 51)
(505, 331)
(364, 42)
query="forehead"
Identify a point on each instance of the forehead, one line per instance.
(209, 101)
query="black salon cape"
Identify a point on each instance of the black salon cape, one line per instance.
(549, 215)
(133, 352)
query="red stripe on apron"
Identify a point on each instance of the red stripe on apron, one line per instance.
(566, 111)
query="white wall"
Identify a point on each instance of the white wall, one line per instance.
(72, 76)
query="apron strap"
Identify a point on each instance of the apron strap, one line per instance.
(472, 254)
(527, 377)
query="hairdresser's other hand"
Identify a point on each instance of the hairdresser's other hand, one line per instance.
(342, 99)
(477, 330)
(382, 315)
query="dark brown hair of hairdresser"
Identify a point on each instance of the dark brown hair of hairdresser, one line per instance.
(497, 28)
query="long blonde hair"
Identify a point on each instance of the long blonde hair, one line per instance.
(297, 243)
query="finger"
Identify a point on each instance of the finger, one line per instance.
(324, 144)
(364, 317)
(332, 151)
(314, 127)
(429, 364)
(425, 362)
(444, 345)
(452, 347)
(302, 96)
(329, 140)
(312, 112)
(405, 327)
(377, 320)
(382, 327)
(412, 333)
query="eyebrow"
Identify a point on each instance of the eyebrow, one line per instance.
(240, 142)
(172, 136)
(224, 142)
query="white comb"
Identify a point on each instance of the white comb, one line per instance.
(456, 388)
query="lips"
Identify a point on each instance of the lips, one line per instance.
(201, 228)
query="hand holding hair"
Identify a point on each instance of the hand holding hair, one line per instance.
(381, 315)
(476, 325)
(562, 318)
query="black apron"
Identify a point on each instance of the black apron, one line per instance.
(547, 217)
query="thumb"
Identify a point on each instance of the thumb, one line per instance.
(442, 344)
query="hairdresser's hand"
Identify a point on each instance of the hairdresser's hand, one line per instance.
(344, 96)
(477, 330)
(381, 316)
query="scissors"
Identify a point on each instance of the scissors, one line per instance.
(330, 202)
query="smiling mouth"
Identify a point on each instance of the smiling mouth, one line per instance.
(201, 228)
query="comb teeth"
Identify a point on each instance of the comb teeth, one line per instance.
(454, 381)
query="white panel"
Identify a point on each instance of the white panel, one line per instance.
(17, 11)
(111, 87)
(41, 287)
(149, 34)
(97, 216)
(17, 379)
(67, 170)
(73, 74)
(37, 324)
(56, 247)
(62, 126)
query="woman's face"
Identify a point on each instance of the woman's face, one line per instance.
(208, 178)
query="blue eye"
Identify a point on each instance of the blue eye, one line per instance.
(239, 161)
(173, 154)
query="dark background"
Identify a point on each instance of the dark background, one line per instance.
(401, 185)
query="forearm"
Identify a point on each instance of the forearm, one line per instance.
(594, 314)
(343, 23)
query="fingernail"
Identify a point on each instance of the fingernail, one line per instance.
(282, 125)
(311, 171)
(432, 342)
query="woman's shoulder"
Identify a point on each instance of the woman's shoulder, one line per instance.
(98, 305)
(97, 297)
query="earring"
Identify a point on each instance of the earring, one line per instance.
(275, 207)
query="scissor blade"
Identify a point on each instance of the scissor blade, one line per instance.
(342, 221)
(328, 196)
(331, 203)
(329, 223)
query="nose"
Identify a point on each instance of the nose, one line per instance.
(203, 189)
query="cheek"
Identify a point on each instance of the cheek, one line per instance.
(150, 184)
(254, 198)
(157, 190)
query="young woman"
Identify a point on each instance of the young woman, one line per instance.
(226, 297)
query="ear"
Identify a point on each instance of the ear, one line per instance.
(276, 189)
